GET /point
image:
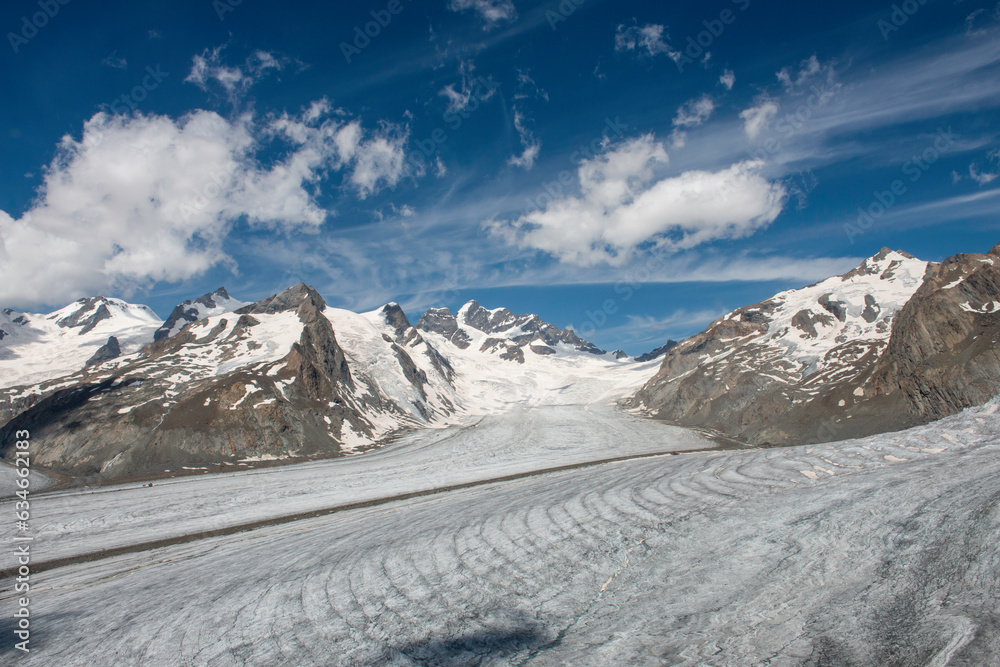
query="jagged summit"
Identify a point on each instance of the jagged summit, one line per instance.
(269, 380)
(404, 333)
(657, 353)
(441, 321)
(501, 331)
(213, 303)
(292, 298)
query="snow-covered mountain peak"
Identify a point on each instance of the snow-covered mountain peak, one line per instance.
(89, 314)
(35, 348)
(808, 323)
(12, 323)
(885, 264)
(499, 331)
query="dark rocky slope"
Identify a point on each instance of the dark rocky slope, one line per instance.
(941, 356)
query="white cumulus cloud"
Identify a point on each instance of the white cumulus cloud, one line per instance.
(622, 206)
(141, 199)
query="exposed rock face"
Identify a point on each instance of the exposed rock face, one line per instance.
(92, 312)
(11, 322)
(441, 321)
(658, 352)
(944, 355)
(316, 360)
(507, 350)
(269, 381)
(787, 369)
(407, 336)
(214, 303)
(107, 352)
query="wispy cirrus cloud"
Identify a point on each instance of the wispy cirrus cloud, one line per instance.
(728, 79)
(648, 331)
(531, 146)
(695, 112)
(647, 40)
(758, 118)
(460, 96)
(211, 74)
(982, 175)
(692, 113)
(492, 12)
(115, 61)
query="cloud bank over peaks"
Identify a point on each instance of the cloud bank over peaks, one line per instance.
(141, 199)
(624, 207)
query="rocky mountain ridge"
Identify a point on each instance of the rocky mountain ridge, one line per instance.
(501, 332)
(894, 343)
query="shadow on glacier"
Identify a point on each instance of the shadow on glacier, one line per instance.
(41, 629)
(478, 647)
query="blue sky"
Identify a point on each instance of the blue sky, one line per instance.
(634, 169)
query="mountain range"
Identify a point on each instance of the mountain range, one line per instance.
(223, 383)
(109, 391)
